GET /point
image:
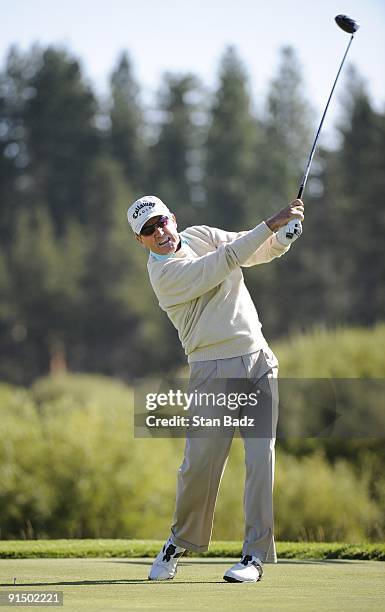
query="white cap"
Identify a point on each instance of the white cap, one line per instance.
(144, 209)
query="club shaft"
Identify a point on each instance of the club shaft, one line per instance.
(306, 173)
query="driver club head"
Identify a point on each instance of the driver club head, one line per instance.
(347, 24)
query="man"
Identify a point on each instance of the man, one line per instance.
(196, 276)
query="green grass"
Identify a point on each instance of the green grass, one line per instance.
(121, 584)
(28, 549)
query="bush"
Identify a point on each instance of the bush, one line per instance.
(316, 501)
(70, 466)
(313, 500)
(340, 353)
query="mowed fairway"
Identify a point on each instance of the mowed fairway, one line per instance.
(121, 584)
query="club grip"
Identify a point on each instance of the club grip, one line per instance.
(300, 192)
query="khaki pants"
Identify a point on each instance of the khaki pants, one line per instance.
(205, 459)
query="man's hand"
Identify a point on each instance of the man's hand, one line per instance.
(295, 210)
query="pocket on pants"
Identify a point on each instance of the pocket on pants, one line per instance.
(203, 370)
(271, 358)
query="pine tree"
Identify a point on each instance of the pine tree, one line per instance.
(61, 138)
(230, 150)
(172, 156)
(280, 287)
(362, 185)
(287, 134)
(45, 291)
(127, 123)
(15, 91)
(123, 330)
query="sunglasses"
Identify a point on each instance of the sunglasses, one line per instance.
(148, 230)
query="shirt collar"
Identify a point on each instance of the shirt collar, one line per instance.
(169, 255)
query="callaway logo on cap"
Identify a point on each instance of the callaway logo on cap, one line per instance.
(143, 209)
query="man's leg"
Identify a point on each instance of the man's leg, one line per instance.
(199, 478)
(260, 464)
(258, 499)
(259, 443)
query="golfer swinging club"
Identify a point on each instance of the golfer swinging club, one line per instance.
(197, 278)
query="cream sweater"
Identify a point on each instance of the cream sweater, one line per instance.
(202, 290)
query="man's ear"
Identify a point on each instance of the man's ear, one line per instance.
(138, 237)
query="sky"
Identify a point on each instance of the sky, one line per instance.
(191, 36)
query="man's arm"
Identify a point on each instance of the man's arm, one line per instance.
(179, 280)
(272, 247)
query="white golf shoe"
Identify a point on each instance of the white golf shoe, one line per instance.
(164, 566)
(249, 569)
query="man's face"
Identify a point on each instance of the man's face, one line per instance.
(164, 240)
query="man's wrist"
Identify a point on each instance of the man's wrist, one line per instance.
(272, 224)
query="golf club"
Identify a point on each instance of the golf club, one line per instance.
(350, 26)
